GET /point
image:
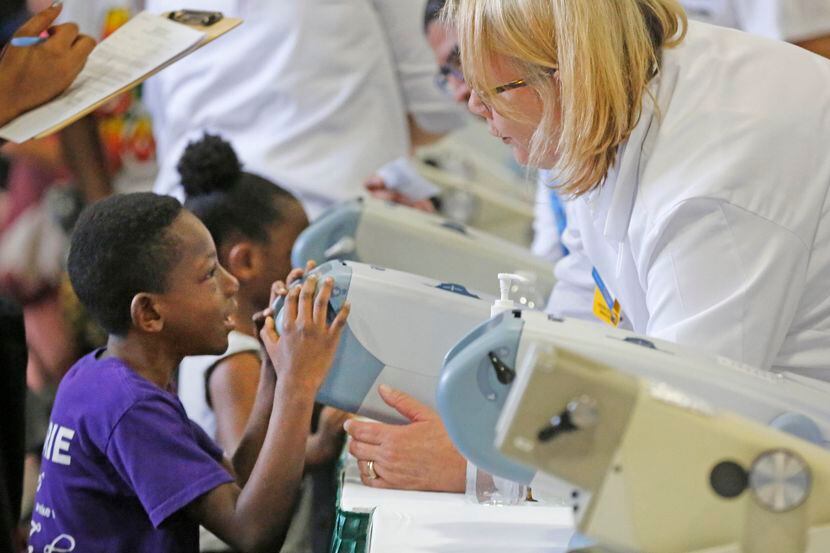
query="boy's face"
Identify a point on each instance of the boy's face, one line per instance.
(201, 294)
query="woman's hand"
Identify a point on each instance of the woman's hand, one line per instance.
(414, 456)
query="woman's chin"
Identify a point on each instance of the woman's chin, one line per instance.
(520, 154)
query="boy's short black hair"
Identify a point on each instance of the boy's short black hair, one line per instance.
(120, 247)
(433, 12)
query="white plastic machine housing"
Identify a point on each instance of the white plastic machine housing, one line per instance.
(399, 329)
(675, 452)
(471, 397)
(398, 237)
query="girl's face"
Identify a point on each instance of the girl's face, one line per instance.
(275, 255)
(517, 130)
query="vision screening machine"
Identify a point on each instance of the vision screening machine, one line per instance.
(399, 329)
(659, 449)
(398, 237)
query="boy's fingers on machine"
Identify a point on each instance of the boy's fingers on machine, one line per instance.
(340, 320)
(291, 307)
(305, 313)
(321, 303)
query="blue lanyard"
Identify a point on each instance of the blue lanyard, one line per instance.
(606, 295)
(560, 217)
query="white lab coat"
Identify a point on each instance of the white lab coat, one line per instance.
(713, 228)
(790, 20)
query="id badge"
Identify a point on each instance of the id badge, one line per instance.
(606, 308)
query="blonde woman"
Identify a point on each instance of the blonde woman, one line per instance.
(698, 164)
(697, 158)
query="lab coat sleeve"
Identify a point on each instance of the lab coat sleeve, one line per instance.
(722, 279)
(402, 22)
(573, 293)
(790, 20)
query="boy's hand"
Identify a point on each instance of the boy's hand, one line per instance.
(327, 443)
(303, 354)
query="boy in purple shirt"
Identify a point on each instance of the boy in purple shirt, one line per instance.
(123, 467)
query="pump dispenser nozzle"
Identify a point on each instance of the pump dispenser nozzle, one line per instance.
(504, 303)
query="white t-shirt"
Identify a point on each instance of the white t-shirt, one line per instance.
(789, 20)
(193, 376)
(713, 229)
(312, 94)
(193, 393)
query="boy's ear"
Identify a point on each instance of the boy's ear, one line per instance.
(145, 314)
(242, 261)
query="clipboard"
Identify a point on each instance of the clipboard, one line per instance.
(210, 33)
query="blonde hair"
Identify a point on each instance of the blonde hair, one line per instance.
(605, 53)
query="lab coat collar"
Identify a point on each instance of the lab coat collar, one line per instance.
(623, 179)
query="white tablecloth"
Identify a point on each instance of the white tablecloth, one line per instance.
(421, 522)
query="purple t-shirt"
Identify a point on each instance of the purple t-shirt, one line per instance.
(121, 460)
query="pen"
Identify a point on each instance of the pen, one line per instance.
(22, 41)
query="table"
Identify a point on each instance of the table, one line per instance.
(378, 521)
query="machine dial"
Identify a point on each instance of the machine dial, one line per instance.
(780, 480)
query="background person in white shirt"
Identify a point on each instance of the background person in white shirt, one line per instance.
(805, 23)
(316, 95)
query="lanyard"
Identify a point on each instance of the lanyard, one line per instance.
(559, 217)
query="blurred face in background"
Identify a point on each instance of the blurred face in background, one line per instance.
(444, 43)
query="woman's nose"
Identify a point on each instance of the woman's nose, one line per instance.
(476, 106)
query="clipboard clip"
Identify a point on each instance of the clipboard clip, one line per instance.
(195, 17)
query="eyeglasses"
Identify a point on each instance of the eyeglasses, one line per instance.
(450, 68)
(512, 85)
(518, 83)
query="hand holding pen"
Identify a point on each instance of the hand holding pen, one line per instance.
(34, 74)
(23, 41)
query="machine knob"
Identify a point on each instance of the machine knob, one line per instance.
(728, 479)
(780, 480)
(504, 373)
(580, 414)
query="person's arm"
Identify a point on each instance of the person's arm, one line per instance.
(419, 136)
(233, 386)
(723, 280)
(431, 113)
(33, 75)
(84, 153)
(415, 456)
(819, 45)
(256, 517)
(327, 441)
